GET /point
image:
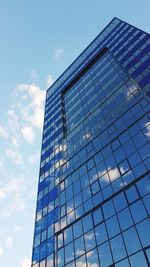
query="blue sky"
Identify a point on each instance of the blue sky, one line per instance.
(38, 40)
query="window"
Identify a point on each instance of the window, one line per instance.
(125, 219)
(105, 255)
(138, 211)
(118, 248)
(112, 226)
(100, 233)
(138, 260)
(143, 229)
(131, 241)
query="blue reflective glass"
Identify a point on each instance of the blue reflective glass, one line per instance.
(120, 202)
(87, 223)
(77, 229)
(69, 252)
(50, 245)
(124, 263)
(105, 255)
(125, 219)
(36, 254)
(143, 229)
(112, 226)
(94, 146)
(132, 194)
(100, 233)
(118, 248)
(79, 247)
(146, 201)
(131, 241)
(43, 250)
(108, 209)
(138, 211)
(148, 254)
(138, 260)
(144, 186)
(97, 216)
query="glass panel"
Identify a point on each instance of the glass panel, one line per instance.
(87, 223)
(79, 247)
(112, 226)
(37, 240)
(144, 186)
(101, 234)
(42, 264)
(146, 200)
(120, 202)
(132, 194)
(125, 219)
(89, 240)
(92, 258)
(77, 229)
(50, 262)
(69, 252)
(50, 245)
(138, 260)
(81, 262)
(118, 248)
(124, 263)
(43, 251)
(60, 260)
(138, 211)
(68, 235)
(108, 209)
(131, 241)
(144, 232)
(148, 254)
(105, 255)
(98, 217)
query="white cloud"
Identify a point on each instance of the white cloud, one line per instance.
(80, 252)
(26, 263)
(28, 134)
(1, 164)
(92, 264)
(4, 132)
(49, 80)
(2, 194)
(14, 141)
(14, 186)
(80, 264)
(9, 242)
(89, 236)
(32, 159)
(58, 53)
(15, 155)
(1, 251)
(33, 111)
(25, 118)
(17, 204)
(4, 213)
(147, 125)
(50, 263)
(113, 174)
(131, 91)
(83, 264)
(13, 195)
(19, 228)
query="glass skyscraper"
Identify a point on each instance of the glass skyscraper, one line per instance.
(93, 201)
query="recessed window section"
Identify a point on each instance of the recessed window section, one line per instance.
(90, 89)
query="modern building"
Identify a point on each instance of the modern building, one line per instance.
(93, 201)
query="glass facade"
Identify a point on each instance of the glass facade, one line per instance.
(93, 201)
